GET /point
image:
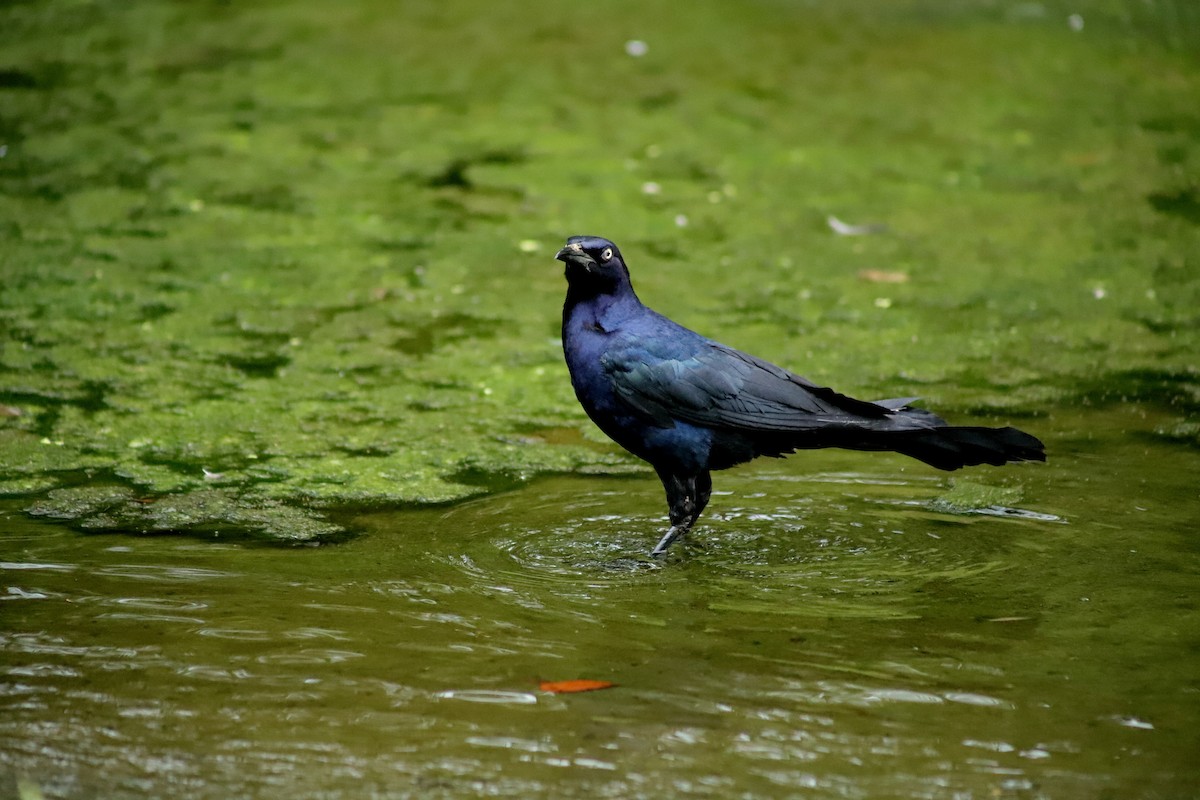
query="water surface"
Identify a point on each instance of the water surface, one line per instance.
(833, 631)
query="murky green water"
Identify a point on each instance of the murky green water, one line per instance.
(836, 637)
(281, 273)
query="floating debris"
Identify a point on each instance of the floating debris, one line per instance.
(636, 48)
(846, 229)
(574, 686)
(882, 276)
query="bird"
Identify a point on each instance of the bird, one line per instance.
(689, 405)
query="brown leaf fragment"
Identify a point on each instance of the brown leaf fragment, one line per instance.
(882, 276)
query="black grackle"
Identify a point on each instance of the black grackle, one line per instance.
(689, 405)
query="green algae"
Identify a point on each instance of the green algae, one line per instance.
(268, 262)
(966, 497)
(209, 512)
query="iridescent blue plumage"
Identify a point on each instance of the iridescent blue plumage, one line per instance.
(689, 405)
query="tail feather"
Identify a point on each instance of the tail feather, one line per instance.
(951, 448)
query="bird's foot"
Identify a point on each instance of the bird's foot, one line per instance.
(670, 536)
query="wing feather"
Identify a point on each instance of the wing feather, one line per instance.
(716, 386)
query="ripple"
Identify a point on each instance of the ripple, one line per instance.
(941, 507)
(211, 673)
(309, 657)
(994, 746)
(317, 633)
(557, 557)
(44, 670)
(488, 696)
(17, 593)
(140, 617)
(512, 743)
(238, 634)
(341, 608)
(23, 565)
(847, 479)
(158, 603)
(41, 643)
(527, 564)
(159, 572)
(889, 695)
(973, 699)
(1133, 722)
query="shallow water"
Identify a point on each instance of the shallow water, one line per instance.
(831, 631)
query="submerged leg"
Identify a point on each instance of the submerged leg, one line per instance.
(703, 492)
(673, 533)
(686, 498)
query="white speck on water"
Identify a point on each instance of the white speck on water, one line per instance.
(1134, 722)
(846, 229)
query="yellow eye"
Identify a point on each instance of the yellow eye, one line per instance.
(606, 254)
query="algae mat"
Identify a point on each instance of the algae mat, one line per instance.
(265, 264)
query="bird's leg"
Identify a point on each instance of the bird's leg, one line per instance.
(703, 491)
(673, 533)
(686, 498)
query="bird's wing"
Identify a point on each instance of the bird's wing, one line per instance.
(709, 384)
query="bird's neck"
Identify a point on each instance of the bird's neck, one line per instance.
(611, 306)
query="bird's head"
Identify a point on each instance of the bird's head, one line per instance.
(594, 265)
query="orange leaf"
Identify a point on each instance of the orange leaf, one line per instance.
(567, 687)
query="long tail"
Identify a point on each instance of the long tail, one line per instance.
(952, 448)
(918, 434)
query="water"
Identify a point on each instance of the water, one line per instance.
(829, 633)
(265, 265)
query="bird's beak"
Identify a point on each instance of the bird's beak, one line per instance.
(573, 254)
(570, 252)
